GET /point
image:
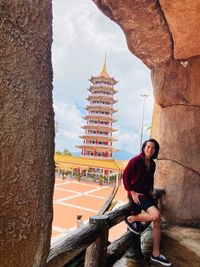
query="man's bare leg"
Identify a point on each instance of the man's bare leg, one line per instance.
(152, 214)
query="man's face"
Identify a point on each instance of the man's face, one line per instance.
(149, 150)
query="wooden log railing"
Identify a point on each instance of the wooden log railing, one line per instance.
(94, 238)
(108, 202)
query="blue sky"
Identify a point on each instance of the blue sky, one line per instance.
(81, 37)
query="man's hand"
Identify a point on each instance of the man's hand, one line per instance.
(135, 197)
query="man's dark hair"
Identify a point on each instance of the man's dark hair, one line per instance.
(157, 147)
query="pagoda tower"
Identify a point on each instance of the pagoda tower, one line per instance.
(98, 139)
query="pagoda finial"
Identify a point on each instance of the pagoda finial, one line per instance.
(104, 72)
(104, 65)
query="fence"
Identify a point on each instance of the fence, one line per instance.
(94, 239)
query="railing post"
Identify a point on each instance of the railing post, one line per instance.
(96, 253)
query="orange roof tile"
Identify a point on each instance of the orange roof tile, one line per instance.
(71, 161)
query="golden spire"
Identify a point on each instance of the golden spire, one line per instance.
(104, 72)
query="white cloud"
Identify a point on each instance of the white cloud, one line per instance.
(128, 141)
(69, 121)
(82, 35)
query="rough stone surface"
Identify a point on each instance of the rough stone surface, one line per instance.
(27, 132)
(183, 18)
(188, 237)
(179, 244)
(182, 193)
(179, 135)
(145, 28)
(175, 84)
(178, 170)
(159, 33)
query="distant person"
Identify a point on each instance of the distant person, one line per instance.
(138, 179)
(79, 220)
(63, 175)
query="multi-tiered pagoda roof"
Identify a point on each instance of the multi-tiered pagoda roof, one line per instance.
(98, 139)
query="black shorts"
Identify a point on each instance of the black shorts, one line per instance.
(145, 203)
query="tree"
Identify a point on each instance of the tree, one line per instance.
(58, 152)
(66, 152)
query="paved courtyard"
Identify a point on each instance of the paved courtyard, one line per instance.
(72, 197)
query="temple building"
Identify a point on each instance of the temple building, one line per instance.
(98, 137)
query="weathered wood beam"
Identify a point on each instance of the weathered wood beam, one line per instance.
(117, 248)
(71, 246)
(118, 215)
(96, 253)
(108, 202)
(97, 233)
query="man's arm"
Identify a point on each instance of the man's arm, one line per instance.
(128, 175)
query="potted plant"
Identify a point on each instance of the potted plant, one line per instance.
(101, 180)
(78, 176)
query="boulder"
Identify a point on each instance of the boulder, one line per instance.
(184, 23)
(180, 203)
(165, 36)
(144, 26)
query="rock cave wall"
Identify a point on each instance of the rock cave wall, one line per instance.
(166, 42)
(165, 36)
(27, 132)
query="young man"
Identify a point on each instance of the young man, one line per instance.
(138, 178)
